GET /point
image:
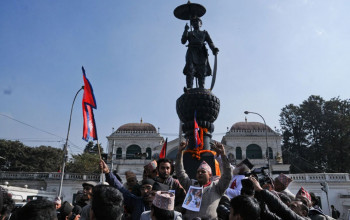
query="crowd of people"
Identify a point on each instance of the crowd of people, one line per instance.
(237, 193)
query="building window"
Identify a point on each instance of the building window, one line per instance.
(238, 153)
(254, 152)
(269, 153)
(149, 153)
(133, 152)
(119, 153)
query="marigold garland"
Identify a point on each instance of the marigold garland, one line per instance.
(197, 151)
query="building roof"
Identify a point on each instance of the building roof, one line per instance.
(250, 126)
(141, 127)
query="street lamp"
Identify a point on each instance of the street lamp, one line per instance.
(267, 146)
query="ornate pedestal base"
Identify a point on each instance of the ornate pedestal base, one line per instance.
(207, 106)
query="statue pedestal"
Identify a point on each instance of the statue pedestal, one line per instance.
(207, 107)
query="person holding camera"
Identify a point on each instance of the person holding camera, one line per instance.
(296, 210)
(235, 186)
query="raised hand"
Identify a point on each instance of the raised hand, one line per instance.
(183, 145)
(103, 166)
(219, 148)
(187, 27)
(215, 51)
(256, 184)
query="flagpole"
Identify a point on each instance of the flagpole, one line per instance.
(99, 153)
(65, 151)
(99, 150)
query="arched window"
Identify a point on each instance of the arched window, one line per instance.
(254, 152)
(119, 153)
(269, 153)
(238, 153)
(132, 151)
(149, 153)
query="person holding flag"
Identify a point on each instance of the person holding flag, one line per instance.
(165, 169)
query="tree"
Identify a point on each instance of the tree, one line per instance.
(316, 135)
(92, 149)
(84, 163)
(18, 157)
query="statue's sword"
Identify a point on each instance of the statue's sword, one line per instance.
(214, 73)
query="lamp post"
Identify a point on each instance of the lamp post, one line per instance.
(267, 146)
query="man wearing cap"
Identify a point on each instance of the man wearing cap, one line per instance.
(315, 212)
(281, 183)
(150, 170)
(165, 169)
(162, 207)
(131, 180)
(235, 185)
(212, 190)
(87, 196)
(57, 202)
(65, 211)
(134, 203)
(304, 196)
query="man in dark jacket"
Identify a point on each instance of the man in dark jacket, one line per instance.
(315, 212)
(296, 211)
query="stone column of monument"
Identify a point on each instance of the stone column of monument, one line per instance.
(199, 101)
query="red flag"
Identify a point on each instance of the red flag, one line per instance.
(89, 102)
(163, 151)
(197, 138)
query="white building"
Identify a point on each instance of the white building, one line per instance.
(257, 142)
(132, 146)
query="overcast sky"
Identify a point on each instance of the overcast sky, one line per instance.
(272, 53)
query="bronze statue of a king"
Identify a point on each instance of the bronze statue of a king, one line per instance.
(197, 108)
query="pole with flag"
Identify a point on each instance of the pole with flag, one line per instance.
(89, 125)
(89, 102)
(163, 151)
